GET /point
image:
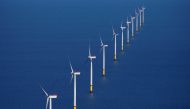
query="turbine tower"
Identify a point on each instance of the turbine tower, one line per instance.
(49, 99)
(74, 75)
(128, 24)
(132, 25)
(136, 14)
(122, 28)
(90, 57)
(115, 45)
(143, 8)
(140, 16)
(104, 66)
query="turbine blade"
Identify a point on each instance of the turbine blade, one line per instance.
(71, 78)
(101, 41)
(89, 53)
(113, 31)
(71, 68)
(45, 92)
(70, 65)
(47, 103)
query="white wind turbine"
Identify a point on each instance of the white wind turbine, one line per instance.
(115, 45)
(104, 66)
(143, 8)
(90, 57)
(132, 25)
(140, 16)
(49, 99)
(122, 28)
(74, 75)
(136, 14)
(128, 25)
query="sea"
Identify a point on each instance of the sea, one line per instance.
(38, 39)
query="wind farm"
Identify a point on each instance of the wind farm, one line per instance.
(91, 57)
(138, 62)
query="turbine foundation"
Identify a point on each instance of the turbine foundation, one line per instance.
(104, 72)
(91, 88)
(114, 57)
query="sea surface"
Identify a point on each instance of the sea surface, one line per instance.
(38, 36)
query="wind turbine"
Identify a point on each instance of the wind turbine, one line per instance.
(74, 75)
(132, 25)
(128, 24)
(122, 28)
(143, 8)
(115, 45)
(90, 57)
(49, 99)
(140, 15)
(136, 14)
(104, 66)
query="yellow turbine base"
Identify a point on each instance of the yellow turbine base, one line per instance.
(104, 72)
(90, 88)
(114, 57)
(74, 107)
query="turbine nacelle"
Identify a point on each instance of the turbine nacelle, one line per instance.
(76, 73)
(143, 8)
(102, 44)
(92, 57)
(105, 45)
(52, 96)
(140, 10)
(122, 28)
(132, 17)
(73, 72)
(114, 33)
(49, 96)
(128, 22)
